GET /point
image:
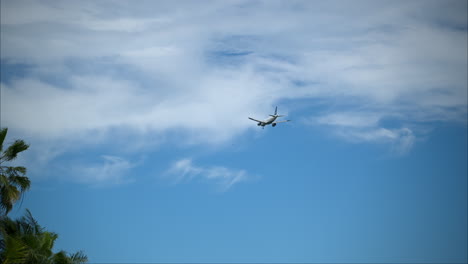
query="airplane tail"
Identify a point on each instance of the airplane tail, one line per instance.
(276, 113)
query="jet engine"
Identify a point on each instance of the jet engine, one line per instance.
(273, 125)
(259, 124)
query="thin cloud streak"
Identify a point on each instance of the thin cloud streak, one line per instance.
(111, 170)
(366, 127)
(183, 171)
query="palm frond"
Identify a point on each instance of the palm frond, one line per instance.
(47, 241)
(9, 195)
(61, 257)
(20, 181)
(13, 182)
(16, 171)
(20, 170)
(32, 224)
(3, 180)
(79, 257)
(12, 151)
(12, 186)
(3, 133)
(15, 251)
(26, 241)
(7, 226)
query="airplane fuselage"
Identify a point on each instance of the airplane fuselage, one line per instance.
(268, 121)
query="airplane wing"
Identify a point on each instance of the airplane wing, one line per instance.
(283, 121)
(255, 120)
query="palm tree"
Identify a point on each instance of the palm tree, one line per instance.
(13, 182)
(25, 241)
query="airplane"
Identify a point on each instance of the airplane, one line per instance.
(270, 121)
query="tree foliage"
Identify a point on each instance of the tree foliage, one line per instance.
(25, 241)
(13, 182)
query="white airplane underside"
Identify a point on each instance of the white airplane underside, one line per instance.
(269, 121)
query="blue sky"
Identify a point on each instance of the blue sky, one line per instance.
(141, 150)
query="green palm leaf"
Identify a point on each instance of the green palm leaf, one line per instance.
(13, 182)
(3, 133)
(25, 241)
(15, 251)
(79, 257)
(12, 151)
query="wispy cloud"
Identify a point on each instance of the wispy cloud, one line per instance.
(401, 140)
(95, 68)
(365, 126)
(350, 119)
(111, 170)
(184, 171)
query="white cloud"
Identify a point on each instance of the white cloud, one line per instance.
(350, 119)
(401, 139)
(48, 110)
(113, 170)
(358, 127)
(184, 171)
(201, 69)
